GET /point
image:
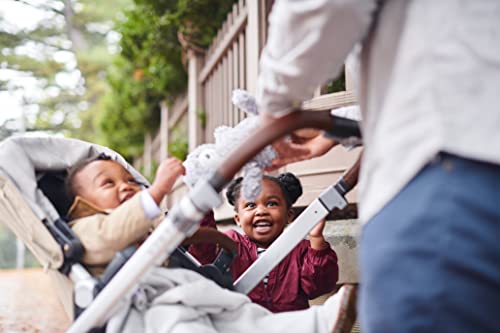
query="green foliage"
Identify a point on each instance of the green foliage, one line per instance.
(202, 117)
(115, 100)
(151, 176)
(126, 114)
(43, 69)
(336, 85)
(149, 68)
(199, 20)
(70, 41)
(9, 40)
(179, 149)
(179, 146)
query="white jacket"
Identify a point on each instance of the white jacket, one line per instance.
(429, 79)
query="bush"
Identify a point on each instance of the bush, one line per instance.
(149, 68)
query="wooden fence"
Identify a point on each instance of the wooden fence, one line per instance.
(231, 62)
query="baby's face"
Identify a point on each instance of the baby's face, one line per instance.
(106, 184)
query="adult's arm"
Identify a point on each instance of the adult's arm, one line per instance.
(307, 45)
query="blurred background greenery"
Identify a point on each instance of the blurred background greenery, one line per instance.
(96, 70)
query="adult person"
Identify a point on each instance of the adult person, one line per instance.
(430, 177)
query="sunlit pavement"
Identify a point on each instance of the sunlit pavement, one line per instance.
(28, 303)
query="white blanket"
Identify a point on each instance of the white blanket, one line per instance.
(182, 301)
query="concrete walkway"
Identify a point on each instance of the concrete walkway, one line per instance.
(28, 303)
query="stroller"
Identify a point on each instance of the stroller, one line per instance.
(32, 207)
(34, 203)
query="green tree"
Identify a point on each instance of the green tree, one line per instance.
(65, 55)
(150, 67)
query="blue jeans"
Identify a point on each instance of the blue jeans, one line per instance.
(430, 260)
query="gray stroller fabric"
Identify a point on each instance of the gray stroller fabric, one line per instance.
(182, 301)
(18, 216)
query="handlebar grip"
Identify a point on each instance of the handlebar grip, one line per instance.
(342, 128)
(350, 178)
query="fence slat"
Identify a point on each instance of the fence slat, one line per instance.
(220, 96)
(253, 40)
(209, 110)
(224, 90)
(242, 67)
(235, 110)
(221, 47)
(230, 75)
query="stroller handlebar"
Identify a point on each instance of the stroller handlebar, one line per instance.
(349, 179)
(267, 134)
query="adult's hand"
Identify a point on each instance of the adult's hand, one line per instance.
(300, 145)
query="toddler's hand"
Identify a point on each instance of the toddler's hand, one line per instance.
(317, 231)
(166, 175)
(316, 236)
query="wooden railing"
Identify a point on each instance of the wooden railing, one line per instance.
(224, 70)
(230, 62)
(173, 120)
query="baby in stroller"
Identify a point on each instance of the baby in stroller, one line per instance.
(27, 210)
(107, 215)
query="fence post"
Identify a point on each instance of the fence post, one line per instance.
(164, 131)
(254, 41)
(195, 99)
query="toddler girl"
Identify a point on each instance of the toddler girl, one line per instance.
(307, 272)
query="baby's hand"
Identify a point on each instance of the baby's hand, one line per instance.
(166, 175)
